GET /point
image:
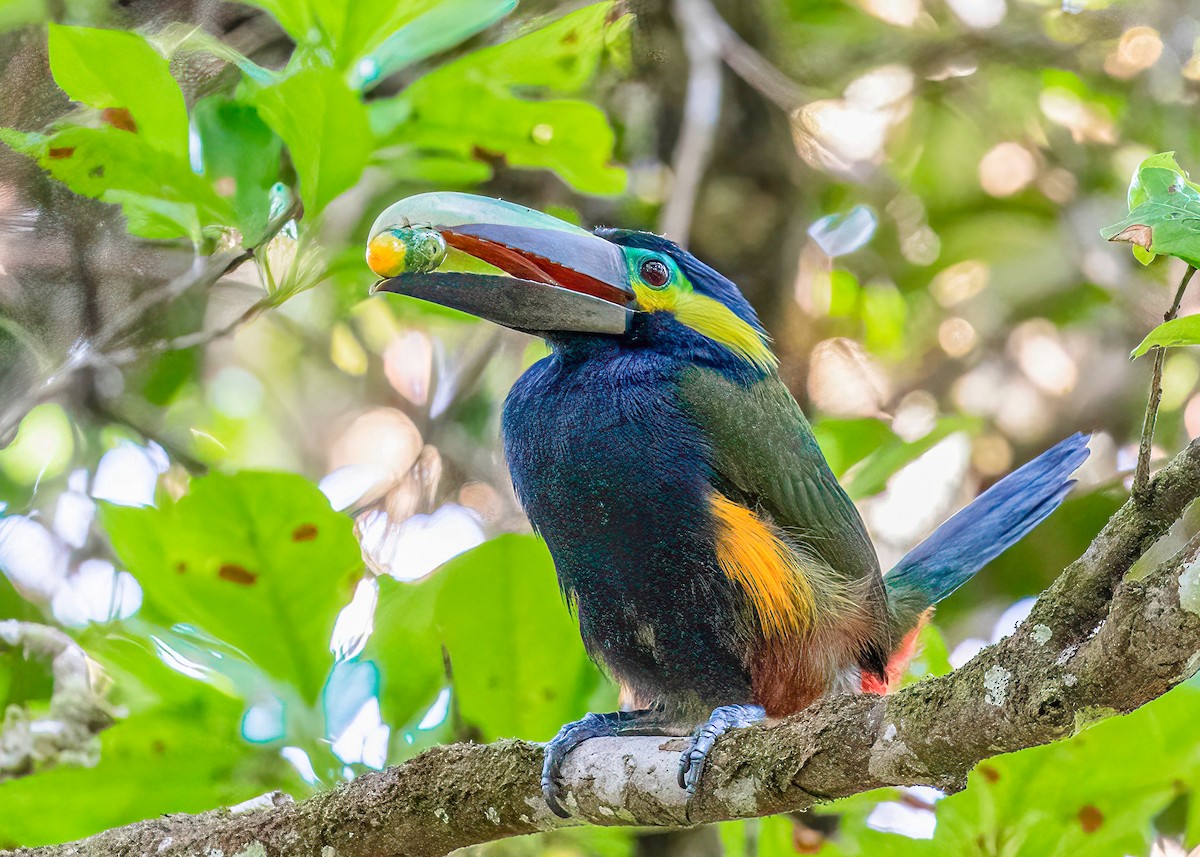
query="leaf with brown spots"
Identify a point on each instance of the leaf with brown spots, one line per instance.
(1164, 214)
(1090, 819)
(304, 533)
(119, 117)
(237, 574)
(268, 567)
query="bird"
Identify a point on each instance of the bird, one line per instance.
(719, 572)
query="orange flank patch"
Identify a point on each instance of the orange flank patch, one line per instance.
(751, 553)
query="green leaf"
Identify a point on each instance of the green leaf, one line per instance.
(295, 16)
(184, 757)
(519, 666)
(932, 657)
(406, 645)
(24, 680)
(12, 604)
(573, 138)
(324, 126)
(159, 193)
(336, 34)
(353, 29)
(1166, 218)
(1092, 794)
(257, 560)
(1137, 193)
(120, 70)
(150, 217)
(228, 131)
(444, 26)
(1169, 334)
(562, 56)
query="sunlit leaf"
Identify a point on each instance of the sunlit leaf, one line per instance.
(115, 70)
(446, 24)
(504, 125)
(12, 604)
(336, 33)
(1092, 794)
(1177, 331)
(932, 657)
(325, 128)
(160, 194)
(258, 560)
(847, 441)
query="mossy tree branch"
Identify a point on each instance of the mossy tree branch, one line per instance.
(66, 733)
(1098, 641)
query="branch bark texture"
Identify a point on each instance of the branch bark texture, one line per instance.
(66, 734)
(1098, 642)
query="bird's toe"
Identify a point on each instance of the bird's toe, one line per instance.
(723, 719)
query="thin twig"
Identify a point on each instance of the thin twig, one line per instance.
(708, 39)
(753, 68)
(701, 113)
(101, 353)
(1141, 477)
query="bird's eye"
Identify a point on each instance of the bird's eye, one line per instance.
(654, 273)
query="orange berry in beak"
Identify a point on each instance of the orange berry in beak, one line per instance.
(405, 250)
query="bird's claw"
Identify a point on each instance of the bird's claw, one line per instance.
(568, 738)
(691, 763)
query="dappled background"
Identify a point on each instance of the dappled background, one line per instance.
(226, 463)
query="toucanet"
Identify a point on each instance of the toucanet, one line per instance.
(719, 572)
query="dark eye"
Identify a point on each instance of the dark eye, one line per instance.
(654, 273)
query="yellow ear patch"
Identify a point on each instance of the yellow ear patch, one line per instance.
(719, 322)
(752, 554)
(711, 318)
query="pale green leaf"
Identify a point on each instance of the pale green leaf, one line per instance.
(1137, 194)
(353, 28)
(504, 124)
(228, 130)
(257, 560)
(1167, 220)
(156, 218)
(116, 69)
(443, 26)
(845, 442)
(338, 33)
(159, 192)
(324, 126)
(871, 474)
(1169, 334)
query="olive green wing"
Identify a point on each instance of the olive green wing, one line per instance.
(765, 456)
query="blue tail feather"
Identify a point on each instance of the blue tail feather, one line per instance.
(997, 519)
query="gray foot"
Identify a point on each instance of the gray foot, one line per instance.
(574, 734)
(691, 763)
